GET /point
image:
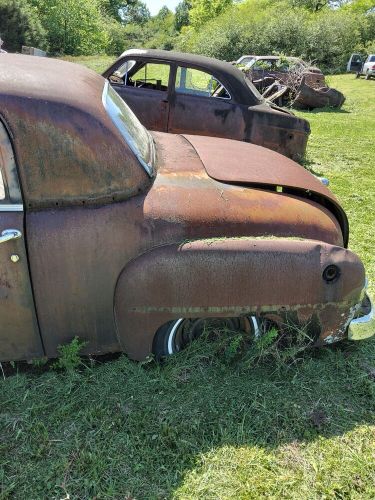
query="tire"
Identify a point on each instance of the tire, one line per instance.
(174, 336)
(358, 74)
(367, 77)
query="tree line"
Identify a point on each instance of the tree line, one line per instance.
(324, 32)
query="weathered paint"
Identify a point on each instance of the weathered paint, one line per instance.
(19, 331)
(244, 117)
(233, 277)
(94, 218)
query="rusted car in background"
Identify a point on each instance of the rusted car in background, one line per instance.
(290, 81)
(133, 240)
(190, 94)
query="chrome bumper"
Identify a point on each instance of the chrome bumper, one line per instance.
(363, 326)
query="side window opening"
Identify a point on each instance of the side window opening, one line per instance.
(121, 73)
(263, 65)
(196, 82)
(152, 76)
(10, 192)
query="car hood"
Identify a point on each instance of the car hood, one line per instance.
(222, 185)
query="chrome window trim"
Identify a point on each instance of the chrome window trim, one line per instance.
(148, 167)
(16, 207)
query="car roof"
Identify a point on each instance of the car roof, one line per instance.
(47, 78)
(224, 71)
(61, 130)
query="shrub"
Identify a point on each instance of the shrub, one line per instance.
(19, 25)
(327, 37)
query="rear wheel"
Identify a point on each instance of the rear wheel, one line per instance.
(175, 335)
(367, 75)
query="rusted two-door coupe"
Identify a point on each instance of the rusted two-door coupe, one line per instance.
(129, 240)
(189, 94)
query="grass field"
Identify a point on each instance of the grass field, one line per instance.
(205, 425)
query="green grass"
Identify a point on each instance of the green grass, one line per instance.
(97, 63)
(203, 426)
(342, 147)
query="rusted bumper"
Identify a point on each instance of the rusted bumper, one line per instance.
(312, 284)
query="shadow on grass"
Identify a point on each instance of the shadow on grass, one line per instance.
(327, 109)
(122, 428)
(311, 166)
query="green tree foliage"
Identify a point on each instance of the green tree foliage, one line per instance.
(317, 5)
(162, 28)
(73, 27)
(361, 6)
(20, 25)
(203, 11)
(131, 10)
(134, 12)
(326, 38)
(182, 14)
(123, 37)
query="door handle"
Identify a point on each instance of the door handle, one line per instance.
(10, 234)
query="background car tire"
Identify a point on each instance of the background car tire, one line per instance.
(367, 75)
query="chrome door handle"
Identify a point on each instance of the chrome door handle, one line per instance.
(10, 234)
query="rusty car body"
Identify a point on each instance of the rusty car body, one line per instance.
(190, 94)
(290, 81)
(281, 68)
(129, 240)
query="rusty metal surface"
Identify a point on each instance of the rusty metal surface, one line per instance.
(226, 73)
(227, 278)
(89, 249)
(151, 106)
(85, 249)
(19, 332)
(244, 117)
(257, 166)
(68, 149)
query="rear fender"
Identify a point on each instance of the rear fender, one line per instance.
(233, 277)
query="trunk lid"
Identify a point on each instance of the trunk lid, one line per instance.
(240, 163)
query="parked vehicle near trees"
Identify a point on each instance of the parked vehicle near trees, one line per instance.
(362, 67)
(186, 93)
(134, 241)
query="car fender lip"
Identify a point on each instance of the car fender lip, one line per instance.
(167, 283)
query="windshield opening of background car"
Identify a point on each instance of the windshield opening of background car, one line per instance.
(134, 133)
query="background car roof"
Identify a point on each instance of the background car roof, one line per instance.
(228, 74)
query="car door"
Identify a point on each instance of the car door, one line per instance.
(355, 63)
(19, 332)
(201, 105)
(144, 87)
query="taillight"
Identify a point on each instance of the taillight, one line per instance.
(373, 67)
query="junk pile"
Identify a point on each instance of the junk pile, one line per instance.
(301, 88)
